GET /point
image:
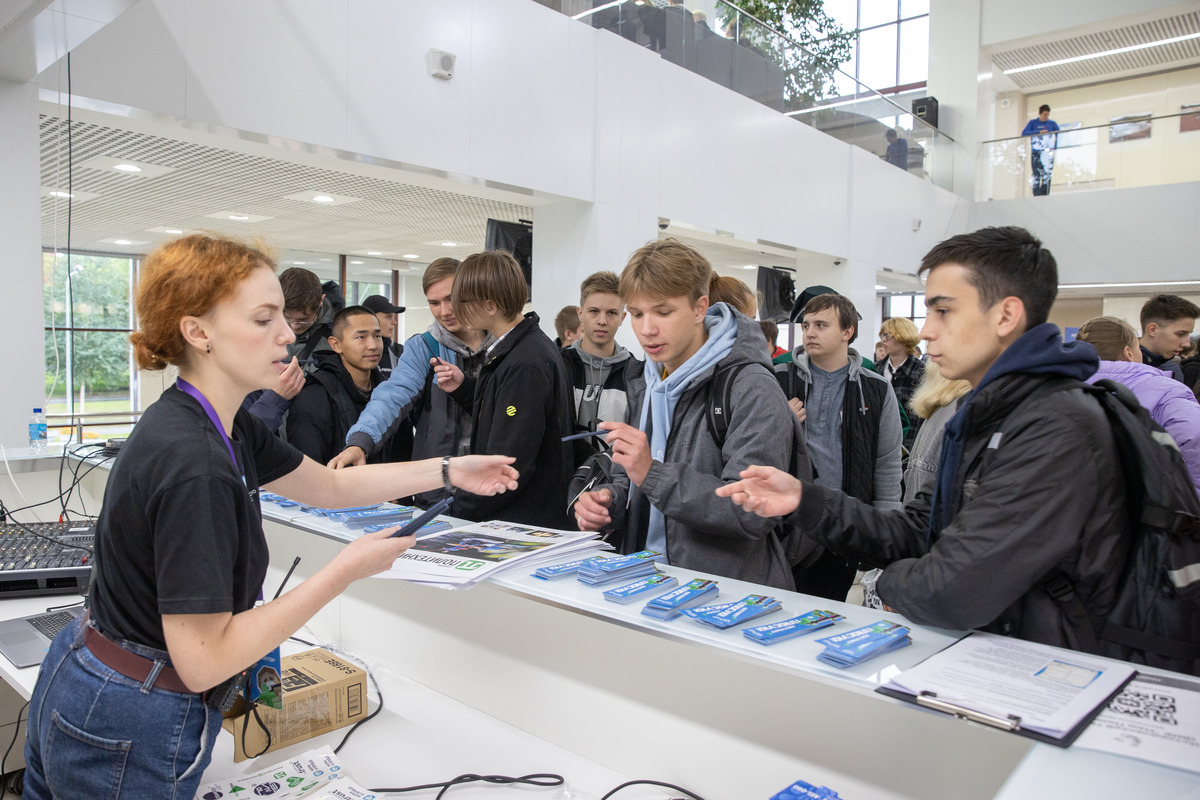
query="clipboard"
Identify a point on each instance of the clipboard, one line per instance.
(1009, 723)
(1005, 722)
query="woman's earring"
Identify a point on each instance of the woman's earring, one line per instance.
(208, 348)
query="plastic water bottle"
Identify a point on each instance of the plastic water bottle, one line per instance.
(37, 432)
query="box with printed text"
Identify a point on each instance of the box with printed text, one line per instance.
(321, 693)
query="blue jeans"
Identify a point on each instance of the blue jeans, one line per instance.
(93, 733)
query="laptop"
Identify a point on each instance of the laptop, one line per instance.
(24, 640)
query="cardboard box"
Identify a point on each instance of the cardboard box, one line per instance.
(321, 693)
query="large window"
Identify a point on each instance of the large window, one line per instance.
(892, 51)
(88, 310)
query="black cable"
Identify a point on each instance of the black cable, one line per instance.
(627, 784)
(16, 733)
(368, 717)
(252, 708)
(91, 467)
(32, 532)
(543, 780)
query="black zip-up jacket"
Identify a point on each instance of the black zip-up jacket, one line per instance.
(318, 420)
(521, 405)
(1039, 492)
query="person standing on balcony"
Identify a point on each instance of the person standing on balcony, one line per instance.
(1041, 149)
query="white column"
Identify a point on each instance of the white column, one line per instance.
(22, 360)
(573, 239)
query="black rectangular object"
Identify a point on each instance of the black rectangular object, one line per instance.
(926, 108)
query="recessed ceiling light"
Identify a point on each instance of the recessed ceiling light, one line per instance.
(173, 231)
(322, 198)
(127, 167)
(410, 255)
(880, 287)
(299, 263)
(374, 253)
(238, 217)
(324, 259)
(122, 241)
(356, 262)
(60, 194)
(750, 266)
(449, 244)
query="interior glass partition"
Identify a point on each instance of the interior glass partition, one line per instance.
(1140, 150)
(736, 50)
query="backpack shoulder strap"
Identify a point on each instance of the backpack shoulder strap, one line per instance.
(720, 391)
(430, 342)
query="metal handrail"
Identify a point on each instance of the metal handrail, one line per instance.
(1122, 121)
(869, 91)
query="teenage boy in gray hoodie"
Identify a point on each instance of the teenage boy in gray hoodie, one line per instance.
(596, 364)
(851, 425)
(666, 463)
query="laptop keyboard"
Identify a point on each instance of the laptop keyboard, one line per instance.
(50, 624)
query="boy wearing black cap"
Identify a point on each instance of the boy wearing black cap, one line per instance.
(389, 321)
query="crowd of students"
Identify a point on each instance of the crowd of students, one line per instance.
(793, 474)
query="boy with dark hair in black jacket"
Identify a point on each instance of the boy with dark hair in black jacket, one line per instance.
(520, 403)
(1002, 520)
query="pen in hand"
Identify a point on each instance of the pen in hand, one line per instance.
(573, 437)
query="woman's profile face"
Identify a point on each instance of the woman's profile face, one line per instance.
(249, 334)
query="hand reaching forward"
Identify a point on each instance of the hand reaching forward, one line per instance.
(486, 475)
(352, 456)
(765, 491)
(371, 554)
(449, 377)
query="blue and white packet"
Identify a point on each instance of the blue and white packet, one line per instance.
(804, 624)
(433, 526)
(658, 582)
(750, 607)
(553, 571)
(801, 790)
(378, 516)
(854, 647)
(620, 569)
(672, 604)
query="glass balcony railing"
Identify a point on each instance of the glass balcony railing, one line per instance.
(744, 54)
(1140, 150)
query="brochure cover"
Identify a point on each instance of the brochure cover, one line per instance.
(463, 556)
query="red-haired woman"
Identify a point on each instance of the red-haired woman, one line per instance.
(120, 707)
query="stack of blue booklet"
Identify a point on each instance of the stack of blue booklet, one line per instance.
(726, 615)
(619, 569)
(672, 604)
(854, 647)
(774, 632)
(433, 526)
(805, 791)
(373, 516)
(638, 590)
(562, 570)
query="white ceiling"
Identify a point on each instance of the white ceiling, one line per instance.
(1092, 70)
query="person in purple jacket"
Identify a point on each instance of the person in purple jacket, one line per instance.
(1170, 403)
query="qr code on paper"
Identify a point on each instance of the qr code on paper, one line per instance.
(1154, 706)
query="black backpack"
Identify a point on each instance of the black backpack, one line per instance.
(1156, 617)
(798, 549)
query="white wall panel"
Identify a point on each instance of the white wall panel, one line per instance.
(20, 262)
(277, 68)
(396, 110)
(1123, 236)
(150, 70)
(521, 110)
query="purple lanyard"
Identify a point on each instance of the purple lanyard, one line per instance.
(212, 415)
